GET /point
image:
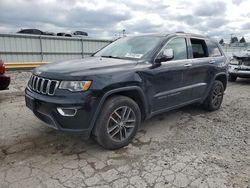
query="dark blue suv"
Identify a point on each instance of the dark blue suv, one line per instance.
(108, 94)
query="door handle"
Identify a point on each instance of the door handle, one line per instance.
(212, 62)
(188, 65)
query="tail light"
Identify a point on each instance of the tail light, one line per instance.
(2, 67)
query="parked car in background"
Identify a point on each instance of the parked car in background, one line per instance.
(4, 80)
(80, 33)
(64, 34)
(35, 32)
(239, 66)
(49, 33)
(128, 81)
(31, 31)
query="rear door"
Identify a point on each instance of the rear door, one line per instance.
(197, 76)
(215, 54)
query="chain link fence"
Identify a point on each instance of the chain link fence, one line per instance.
(229, 50)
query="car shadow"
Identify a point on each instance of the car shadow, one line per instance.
(47, 142)
(243, 81)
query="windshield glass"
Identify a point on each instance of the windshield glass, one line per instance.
(129, 47)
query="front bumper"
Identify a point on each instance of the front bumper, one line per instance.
(47, 109)
(4, 82)
(239, 70)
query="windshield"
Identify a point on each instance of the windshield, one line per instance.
(129, 47)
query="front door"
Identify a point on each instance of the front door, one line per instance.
(167, 79)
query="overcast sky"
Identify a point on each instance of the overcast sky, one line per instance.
(102, 18)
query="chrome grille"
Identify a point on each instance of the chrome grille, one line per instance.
(43, 85)
(246, 63)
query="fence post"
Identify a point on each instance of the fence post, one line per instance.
(82, 48)
(41, 48)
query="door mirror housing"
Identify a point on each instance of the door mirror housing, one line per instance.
(165, 55)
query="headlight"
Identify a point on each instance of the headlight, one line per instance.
(234, 62)
(75, 85)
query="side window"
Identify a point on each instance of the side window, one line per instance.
(179, 46)
(199, 48)
(213, 49)
(37, 32)
(25, 31)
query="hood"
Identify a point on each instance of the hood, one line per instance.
(83, 67)
(244, 55)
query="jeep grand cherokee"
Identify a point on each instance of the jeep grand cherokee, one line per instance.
(130, 80)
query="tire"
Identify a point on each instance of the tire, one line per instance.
(215, 97)
(232, 78)
(117, 123)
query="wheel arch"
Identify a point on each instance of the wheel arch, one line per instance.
(133, 92)
(223, 78)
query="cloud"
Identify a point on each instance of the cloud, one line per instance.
(189, 19)
(210, 9)
(246, 26)
(237, 2)
(215, 22)
(107, 18)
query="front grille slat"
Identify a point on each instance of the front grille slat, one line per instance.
(43, 85)
(34, 82)
(37, 84)
(31, 80)
(48, 86)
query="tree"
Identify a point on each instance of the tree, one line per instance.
(234, 39)
(221, 41)
(242, 40)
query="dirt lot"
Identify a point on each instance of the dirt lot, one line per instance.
(182, 148)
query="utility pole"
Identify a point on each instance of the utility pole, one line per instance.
(231, 37)
(123, 33)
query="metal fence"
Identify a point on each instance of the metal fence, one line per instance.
(229, 50)
(18, 48)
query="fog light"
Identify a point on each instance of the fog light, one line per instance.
(67, 111)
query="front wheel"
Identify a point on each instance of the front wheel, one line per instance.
(117, 123)
(215, 97)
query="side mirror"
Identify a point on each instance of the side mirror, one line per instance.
(165, 55)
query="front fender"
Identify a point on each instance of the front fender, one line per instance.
(114, 91)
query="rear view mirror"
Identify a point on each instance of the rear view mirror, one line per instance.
(165, 55)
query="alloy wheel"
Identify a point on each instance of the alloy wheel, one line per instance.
(121, 123)
(217, 95)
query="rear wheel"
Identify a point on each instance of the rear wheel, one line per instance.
(232, 78)
(117, 123)
(215, 97)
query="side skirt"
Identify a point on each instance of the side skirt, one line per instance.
(174, 107)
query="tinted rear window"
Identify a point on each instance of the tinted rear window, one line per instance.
(199, 48)
(213, 49)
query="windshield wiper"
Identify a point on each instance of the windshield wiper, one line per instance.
(110, 56)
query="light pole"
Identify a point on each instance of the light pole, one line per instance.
(123, 33)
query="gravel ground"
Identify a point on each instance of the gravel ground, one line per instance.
(183, 148)
(19, 80)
